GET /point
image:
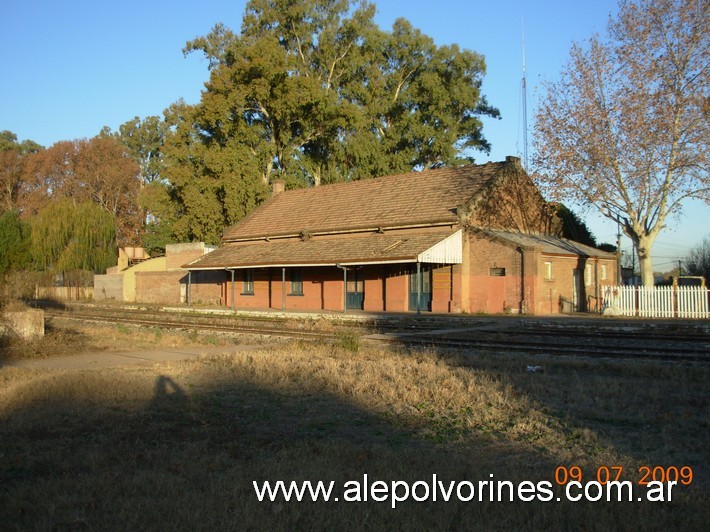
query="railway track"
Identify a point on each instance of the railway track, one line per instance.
(584, 339)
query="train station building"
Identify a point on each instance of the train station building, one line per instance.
(471, 239)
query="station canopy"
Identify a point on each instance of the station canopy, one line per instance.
(437, 247)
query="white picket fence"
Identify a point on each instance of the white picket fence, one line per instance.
(657, 301)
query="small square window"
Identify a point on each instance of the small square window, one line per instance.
(497, 272)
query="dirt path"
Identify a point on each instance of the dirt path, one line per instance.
(108, 359)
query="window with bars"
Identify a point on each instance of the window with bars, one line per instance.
(248, 282)
(296, 282)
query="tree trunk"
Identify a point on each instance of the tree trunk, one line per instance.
(646, 268)
(643, 249)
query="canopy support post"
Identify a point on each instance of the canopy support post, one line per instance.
(419, 288)
(283, 289)
(345, 287)
(232, 290)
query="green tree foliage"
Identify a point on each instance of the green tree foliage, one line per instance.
(209, 185)
(312, 92)
(8, 141)
(66, 236)
(144, 140)
(319, 93)
(419, 105)
(573, 227)
(609, 248)
(14, 243)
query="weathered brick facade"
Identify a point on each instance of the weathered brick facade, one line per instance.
(164, 288)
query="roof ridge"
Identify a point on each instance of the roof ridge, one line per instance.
(418, 173)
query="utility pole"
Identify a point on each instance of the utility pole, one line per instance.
(525, 104)
(618, 254)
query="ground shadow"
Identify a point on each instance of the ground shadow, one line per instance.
(187, 457)
(168, 393)
(53, 304)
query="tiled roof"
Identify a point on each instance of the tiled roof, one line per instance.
(405, 199)
(548, 244)
(371, 248)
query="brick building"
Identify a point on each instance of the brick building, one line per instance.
(479, 238)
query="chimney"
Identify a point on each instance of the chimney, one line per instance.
(277, 187)
(515, 161)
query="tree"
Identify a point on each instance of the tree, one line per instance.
(8, 141)
(97, 170)
(67, 236)
(144, 140)
(698, 260)
(314, 92)
(274, 89)
(309, 92)
(418, 105)
(625, 129)
(209, 184)
(12, 157)
(109, 177)
(14, 243)
(10, 178)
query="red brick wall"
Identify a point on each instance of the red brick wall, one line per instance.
(396, 288)
(160, 287)
(322, 289)
(460, 288)
(442, 283)
(492, 294)
(208, 287)
(374, 288)
(260, 297)
(557, 294)
(170, 288)
(386, 288)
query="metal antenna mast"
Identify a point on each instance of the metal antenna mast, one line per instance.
(525, 104)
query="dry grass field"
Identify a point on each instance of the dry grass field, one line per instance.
(177, 446)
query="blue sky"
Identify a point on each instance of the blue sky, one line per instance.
(71, 67)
